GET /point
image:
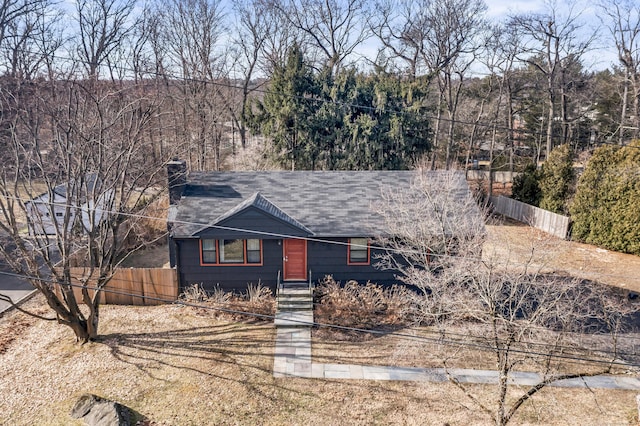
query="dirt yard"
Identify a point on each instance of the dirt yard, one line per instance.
(520, 245)
(174, 366)
(156, 256)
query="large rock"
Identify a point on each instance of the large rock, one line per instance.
(96, 411)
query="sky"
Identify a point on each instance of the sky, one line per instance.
(601, 56)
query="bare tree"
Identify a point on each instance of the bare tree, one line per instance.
(402, 28)
(334, 28)
(622, 18)
(552, 43)
(499, 57)
(253, 29)
(12, 10)
(441, 39)
(77, 185)
(192, 31)
(525, 319)
(508, 45)
(103, 26)
(451, 49)
(30, 39)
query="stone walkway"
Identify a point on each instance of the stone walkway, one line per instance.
(293, 359)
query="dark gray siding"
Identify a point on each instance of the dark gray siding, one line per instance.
(323, 258)
(331, 259)
(241, 224)
(229, 278)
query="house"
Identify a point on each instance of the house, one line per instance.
(52, 209)
(234, 228)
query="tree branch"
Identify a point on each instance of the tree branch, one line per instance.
(24, 311)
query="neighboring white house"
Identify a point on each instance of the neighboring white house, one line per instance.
(46, 215)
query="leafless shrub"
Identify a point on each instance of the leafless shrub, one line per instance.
(259, 299)
(219, 296)
(368, 307)
(194, 294)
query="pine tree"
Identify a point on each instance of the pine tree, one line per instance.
(284, 113)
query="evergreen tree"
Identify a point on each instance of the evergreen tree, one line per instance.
(526, 187)
(284, 112)
(343, 121)
(388, 128)
(557, 180)
(605, 209)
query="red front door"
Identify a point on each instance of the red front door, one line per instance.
(295, 260)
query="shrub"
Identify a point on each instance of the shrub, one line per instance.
(219, 296)
(557, 180)
(605, 209)
(526, 187)
(194, 294)
(257, 299)
(369, 306)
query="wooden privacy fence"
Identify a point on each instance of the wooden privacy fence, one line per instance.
(552, 223)
(132, 286)
(498, 177)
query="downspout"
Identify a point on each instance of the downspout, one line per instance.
(178, 268)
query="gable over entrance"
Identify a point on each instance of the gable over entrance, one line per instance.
(255, 217)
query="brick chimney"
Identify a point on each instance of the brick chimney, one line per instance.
(177, 174)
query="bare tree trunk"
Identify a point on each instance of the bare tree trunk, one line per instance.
(550, 118)
(436, 135)
(96, 134)
(623, 112)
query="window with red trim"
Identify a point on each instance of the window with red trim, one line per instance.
(231, 252)
(254, 254)
(208, 248)
(359, 251)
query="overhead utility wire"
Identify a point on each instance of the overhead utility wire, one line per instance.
(311, 239)
(316, 100)
(448, 342)
(441, 118)
(140, 295)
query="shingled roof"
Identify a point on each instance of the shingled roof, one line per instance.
(326, 203)
(91, 181)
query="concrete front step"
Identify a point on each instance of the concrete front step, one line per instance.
(295, 292)
(294, 319)
(295, 284)
(295, 308)
(295, 305)
(296, 296)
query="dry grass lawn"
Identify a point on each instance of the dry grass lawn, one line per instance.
(174, 366)
(519, 244)
(419, 347)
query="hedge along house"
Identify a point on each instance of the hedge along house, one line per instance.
(229, 229)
